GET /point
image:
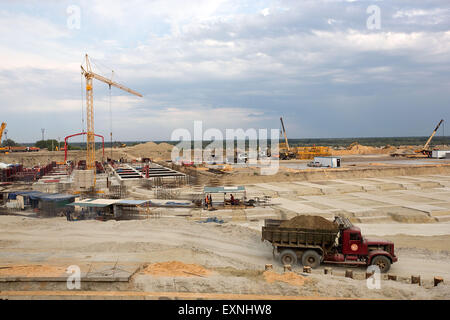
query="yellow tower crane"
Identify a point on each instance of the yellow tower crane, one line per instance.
(90, 76)
(2, 128)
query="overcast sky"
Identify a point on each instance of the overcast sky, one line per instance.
(232, 64)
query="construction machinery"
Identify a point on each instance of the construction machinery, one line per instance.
(90, 76)
(303, 153)
(426, 150)
(80, 134)
(285, 151)
(312, 245)
(2, 128)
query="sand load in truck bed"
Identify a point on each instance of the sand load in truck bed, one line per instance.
(309, 222)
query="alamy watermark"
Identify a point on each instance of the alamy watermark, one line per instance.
(374, 281)
(73, 17)
(74, 278)
(259, 152)
(374, 20)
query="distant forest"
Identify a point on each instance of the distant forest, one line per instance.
(331, 142)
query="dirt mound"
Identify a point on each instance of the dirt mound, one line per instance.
(151, 150)
(309, 222)
(175, 269)
(151, 147)
(288, 277)
(358, 149)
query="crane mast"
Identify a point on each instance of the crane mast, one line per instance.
(2, 128)
(432, 135)
(90, 76)
(285, 135)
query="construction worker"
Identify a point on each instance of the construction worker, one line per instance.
(232, 200)
(210, 201)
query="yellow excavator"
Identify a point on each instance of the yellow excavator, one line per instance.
(426, 148)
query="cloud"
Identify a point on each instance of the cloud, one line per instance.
(228, 63)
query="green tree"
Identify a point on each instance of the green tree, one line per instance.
(9, 143)
(47, 144)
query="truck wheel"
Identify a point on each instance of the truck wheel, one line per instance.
(311, 258)
(382, 262)
(288, 257)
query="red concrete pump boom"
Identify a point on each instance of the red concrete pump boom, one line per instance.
(80, 134)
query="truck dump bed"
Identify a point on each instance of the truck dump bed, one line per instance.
(296, 237)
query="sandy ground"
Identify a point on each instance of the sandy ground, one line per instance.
(235, 255)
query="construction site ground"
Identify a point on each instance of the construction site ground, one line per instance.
(403, 200)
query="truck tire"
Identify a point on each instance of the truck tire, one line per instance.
(311, 258)
(382, 262)
(288, 257)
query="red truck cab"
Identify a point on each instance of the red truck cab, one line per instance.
(353, 248)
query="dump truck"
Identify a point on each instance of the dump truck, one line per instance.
(342, 244)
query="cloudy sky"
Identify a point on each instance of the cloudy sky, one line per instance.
(325, 66)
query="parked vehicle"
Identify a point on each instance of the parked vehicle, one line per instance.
(345, 245)
(314, 164)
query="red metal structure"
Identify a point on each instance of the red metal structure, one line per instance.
(80, 134)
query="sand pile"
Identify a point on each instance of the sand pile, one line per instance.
(175, 269)
(288, 277)
(309, 222)
(357, 149)
(32, 271)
